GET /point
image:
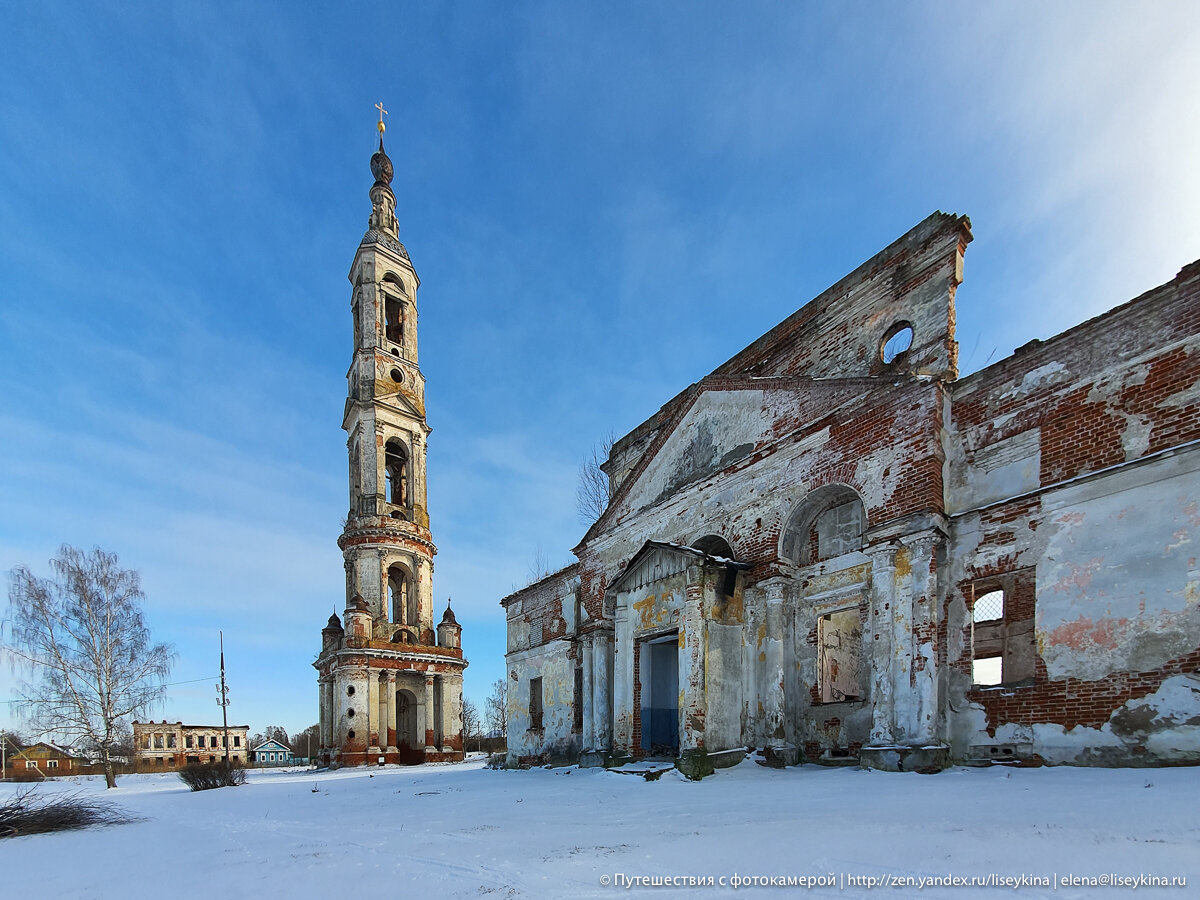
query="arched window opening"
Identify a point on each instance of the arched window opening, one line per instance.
(988, 607)
(896, 342)
(393, 310)
(399, 591)
(396, 463)
(829, 523)
(713, 545)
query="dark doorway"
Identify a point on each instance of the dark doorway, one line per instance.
(660, 693)
(411, 751)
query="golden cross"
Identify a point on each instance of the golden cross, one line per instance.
(382, 113)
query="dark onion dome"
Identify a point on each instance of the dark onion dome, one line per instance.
(448, 618)
(334, 622)
(381, 166)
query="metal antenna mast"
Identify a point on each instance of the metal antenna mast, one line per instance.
(223, 698)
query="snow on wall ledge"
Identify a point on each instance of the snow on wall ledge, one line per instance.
(1163, 726)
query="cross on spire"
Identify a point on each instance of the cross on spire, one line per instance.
(382, 112)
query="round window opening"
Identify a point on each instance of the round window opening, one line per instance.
(897, 342)
(350, 691)
(397, 376)
(350, 713)
(350, 734)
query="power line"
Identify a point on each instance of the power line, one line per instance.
(168, 684)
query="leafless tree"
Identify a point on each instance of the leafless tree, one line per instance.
(277, 733)
(496, 709)
(305, 743)
(121, 750)
(85, 650)
(11, 743)
(471, 723)
(591, 493)
(539, 566)
(12, 740)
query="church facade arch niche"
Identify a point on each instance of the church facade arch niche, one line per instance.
(827, 523)
(714, 545)
(726, 590)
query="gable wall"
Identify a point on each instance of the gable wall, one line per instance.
(884, 443)
(839, 333)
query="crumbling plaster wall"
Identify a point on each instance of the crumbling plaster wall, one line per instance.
(816, 727)
(1073, 459)
(540, 617)
(788, 440)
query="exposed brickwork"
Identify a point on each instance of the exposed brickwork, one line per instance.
(1070, 702)
(1136, 364)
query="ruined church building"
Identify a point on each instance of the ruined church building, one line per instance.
(833, 549)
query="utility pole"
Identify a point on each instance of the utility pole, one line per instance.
(3, 753)
(223, 699)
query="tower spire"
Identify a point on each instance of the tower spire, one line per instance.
(383, 201)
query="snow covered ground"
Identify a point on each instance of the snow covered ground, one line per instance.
(466, 831)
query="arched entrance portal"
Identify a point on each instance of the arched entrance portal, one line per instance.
(412, 750)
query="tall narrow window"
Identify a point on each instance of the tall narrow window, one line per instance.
(398, 589)
(355, 476)
(394, 309)
(577, 702)
(396, 463)
(535, 704)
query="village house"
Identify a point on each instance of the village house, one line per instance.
(159, 746)
(833, 548)
(272, 753)
(48, 760)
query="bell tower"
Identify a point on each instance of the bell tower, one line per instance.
(389, 687)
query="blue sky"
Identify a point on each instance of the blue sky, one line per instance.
(603, 202)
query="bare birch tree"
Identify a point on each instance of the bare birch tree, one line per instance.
(470, 716)
(496, 709)
(82, 641)
(591, 492)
